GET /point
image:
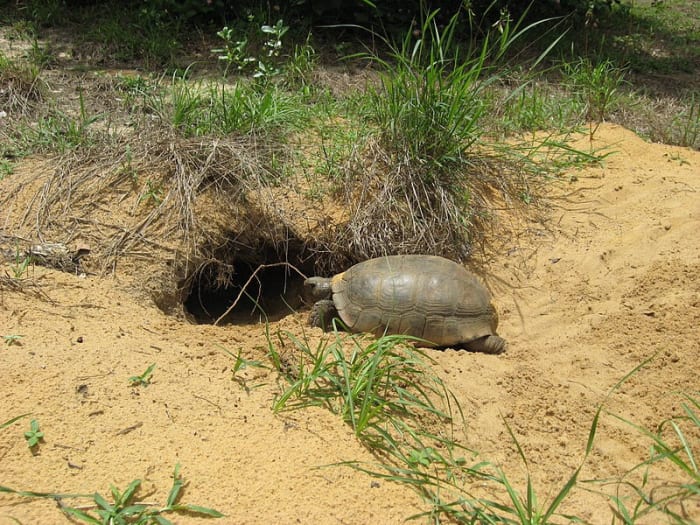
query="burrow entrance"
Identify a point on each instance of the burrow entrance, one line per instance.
(246, 289)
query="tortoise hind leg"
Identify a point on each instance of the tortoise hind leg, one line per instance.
(322, 314)
(490, 344)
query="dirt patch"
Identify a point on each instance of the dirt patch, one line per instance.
(609, 280)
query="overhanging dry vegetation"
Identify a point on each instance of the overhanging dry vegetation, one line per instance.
(176, 214)
(163, 204)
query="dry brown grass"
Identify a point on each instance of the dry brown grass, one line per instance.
(163, 202)
(21, 87)
(397, 206)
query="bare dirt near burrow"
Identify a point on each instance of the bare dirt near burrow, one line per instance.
(611, 279)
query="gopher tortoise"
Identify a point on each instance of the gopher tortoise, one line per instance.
(424, 296)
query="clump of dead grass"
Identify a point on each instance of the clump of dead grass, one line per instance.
(21, 86)
(401, 208)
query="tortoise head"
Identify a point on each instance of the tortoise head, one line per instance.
(317, 289)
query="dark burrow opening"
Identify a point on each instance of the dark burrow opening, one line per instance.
(261, 292)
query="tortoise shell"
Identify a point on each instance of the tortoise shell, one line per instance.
(424, 296)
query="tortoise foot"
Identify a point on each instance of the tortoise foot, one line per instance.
(322, 314)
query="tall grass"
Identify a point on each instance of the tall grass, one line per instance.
(373, 387)
(432, 95)
(198, 109)
(644, 492)
(428, 107)
(406, 416)
(430, 183)
(398, 407)
(596, 85)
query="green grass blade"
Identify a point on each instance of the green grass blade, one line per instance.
(82, 515)
(631, 373)
(686, 447)
(692, 416)
(130, 490)
(102, 502)
(518, 509)
(197, 509)
(178, 483)
(32, 494)
(515, 442)
(133, 510)
(13, 420)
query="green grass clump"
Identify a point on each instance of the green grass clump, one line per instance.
(374, 388)
(124, 509)
(433, 94)
(144, 379)
(595, 85)
(386, 391)
(428, 105)
(6, 168)
(61, 132)
(405, 415)
(198, 109)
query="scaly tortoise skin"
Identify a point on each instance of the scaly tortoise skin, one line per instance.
(423, 296)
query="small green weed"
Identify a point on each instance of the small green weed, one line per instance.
(34, 435)
(133, 84)
(21, 264)
(676, 157)
(143, 379)
(236, 51)
(241, 363)
(137, 90)
(6, 167)
(596, 86)
(152, 193)
(124, 509)
(268, 66)
(12, 340)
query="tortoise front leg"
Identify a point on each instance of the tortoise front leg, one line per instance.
(322, 314)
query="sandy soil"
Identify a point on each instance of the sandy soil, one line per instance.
(609, 280)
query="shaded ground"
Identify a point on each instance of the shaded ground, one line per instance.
(609, 280)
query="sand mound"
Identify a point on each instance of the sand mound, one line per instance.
(608, 281)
